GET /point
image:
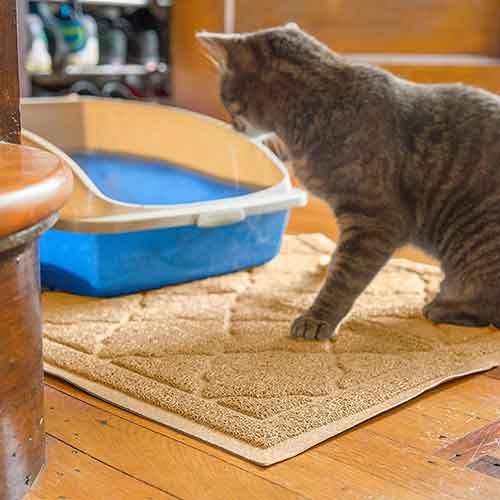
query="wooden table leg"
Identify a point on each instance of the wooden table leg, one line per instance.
(22, 438)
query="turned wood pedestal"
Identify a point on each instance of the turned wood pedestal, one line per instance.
(33, 186)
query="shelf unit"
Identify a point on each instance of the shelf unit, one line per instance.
(72, 72)
(120, 3)
(102, 72)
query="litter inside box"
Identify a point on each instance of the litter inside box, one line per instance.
(144, 181)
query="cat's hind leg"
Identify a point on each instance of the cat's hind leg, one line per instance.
(466, 299)
(455, 313)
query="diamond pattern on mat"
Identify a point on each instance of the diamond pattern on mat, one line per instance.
(175, 306)
(259, 336)
(164, 336)
(83, 337)
(218, 351)
(265, 407)
(63, 308)
(291, 264)
(229, 283)
(305, 282)
(387, 336)
(180, 371)
(271, 374)
(314, 244)
(359, 367)
(274, 306)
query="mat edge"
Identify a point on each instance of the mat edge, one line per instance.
(259, 456)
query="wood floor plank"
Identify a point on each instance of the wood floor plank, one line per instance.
(473, 446)
(321, 477)
(70, 474)
(422, 431)
(311, 474)
(494, 373)
(442, 413)
(423, 473)
(154, 458)
(475, 396)
(487, 465)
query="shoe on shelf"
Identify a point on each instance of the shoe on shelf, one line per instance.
(137, 86)
(84, 87)
(117, 90)
(38, 58)
(38, 91)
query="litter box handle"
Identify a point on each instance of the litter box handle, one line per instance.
(221, 217)
(273, 203)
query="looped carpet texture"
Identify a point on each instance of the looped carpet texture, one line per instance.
(214, 359)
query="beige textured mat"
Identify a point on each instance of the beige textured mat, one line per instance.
(213, 358)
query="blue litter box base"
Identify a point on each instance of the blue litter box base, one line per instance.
(107, 265)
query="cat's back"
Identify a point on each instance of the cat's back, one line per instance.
(450, 123)
(457, 103)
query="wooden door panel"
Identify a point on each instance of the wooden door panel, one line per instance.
(195, 84)
(407, 26)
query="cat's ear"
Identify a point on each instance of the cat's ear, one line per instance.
(216, 46)
(292, 26)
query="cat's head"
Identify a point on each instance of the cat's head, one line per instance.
(251, 71)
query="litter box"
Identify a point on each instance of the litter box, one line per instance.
(162, 196)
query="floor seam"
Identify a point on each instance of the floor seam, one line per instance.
(215, 457)
(131, 476)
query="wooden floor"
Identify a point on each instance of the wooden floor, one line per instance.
(444, 444)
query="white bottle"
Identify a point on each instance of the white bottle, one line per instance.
(38, 58)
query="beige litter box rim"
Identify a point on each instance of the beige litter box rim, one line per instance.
(259, 165)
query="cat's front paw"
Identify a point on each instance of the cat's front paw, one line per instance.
(310, 328)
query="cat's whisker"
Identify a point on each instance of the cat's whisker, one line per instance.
(236, 166)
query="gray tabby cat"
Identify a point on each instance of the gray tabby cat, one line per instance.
(398, 163)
